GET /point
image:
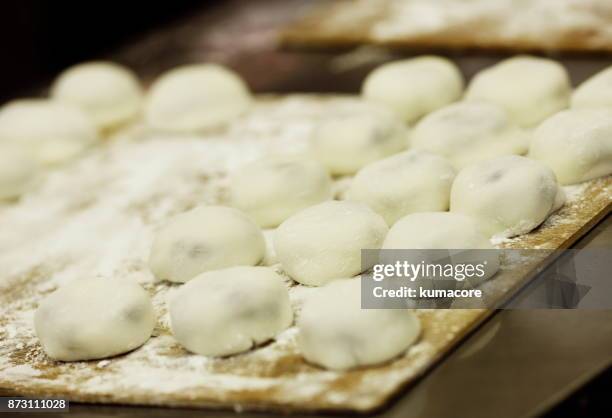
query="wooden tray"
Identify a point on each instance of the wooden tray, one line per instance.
(534, 25)
(95, 217)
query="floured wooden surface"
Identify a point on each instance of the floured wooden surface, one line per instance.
(96, 218)
(513, 25)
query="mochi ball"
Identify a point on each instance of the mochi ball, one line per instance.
(18, 171)
(324, 242)
(454, 237)
(508, 195)
(196, 98)
(576, 144)
(529, 88)
(229, 311)
(346, 142)
(273, 188)
(53, 132)
(595, 91)
(468, 132)
(202, 239)
(94, 318)
(336, 333)
(412, 181)
(109, 93)
(414, 87)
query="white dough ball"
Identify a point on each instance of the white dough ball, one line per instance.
(18, 170)
(595, 91)
(109, 93)
(202, 239)
(413, 181)
(529, 88)
(576, 144)
(196, 97)
(468, 132)
(414, 87)
(94, 318)
(336, 333)
(324, 242)
(458, 233)
(436, 230)
(273, 188)
(54, 132)
(508, 195)
(345, 143)
(229, 311)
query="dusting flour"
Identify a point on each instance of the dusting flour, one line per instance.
(95, 218)
(543, 22)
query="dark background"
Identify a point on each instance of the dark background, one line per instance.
(40, 38)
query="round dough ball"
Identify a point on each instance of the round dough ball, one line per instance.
(508, 195)
(324, 242)
(205, 238)
(576, 144)
(109, 93)
(414, 87)
(196, 97)
(94, 318)
(273, 188)
(595, 91)
(468, 132)
(347, 142)
(436, 231)
(413, 181)
(229, 311)
(54, 132)
(458, 233)
(336, 333)
(529, 88)
(18, 170)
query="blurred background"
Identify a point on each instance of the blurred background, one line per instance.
(41, 38)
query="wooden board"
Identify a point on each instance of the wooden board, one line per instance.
(95, 217)
(532, 25)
